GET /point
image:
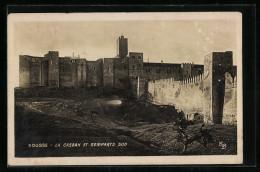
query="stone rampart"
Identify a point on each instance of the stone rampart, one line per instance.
(188, 96)
(184, 95)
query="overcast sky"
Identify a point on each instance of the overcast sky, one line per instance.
(173, 41)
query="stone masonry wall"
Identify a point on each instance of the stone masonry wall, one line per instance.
(184, 95)
(53, 58)
(24, 77)
(95, 73)
(108, 72)
(155, 71)
(189, 96)
(121, 73)
(66, 72)
(207, 104)
(81, 72)
(135, 64)
(230, 100)
(45, 72)
(35, 71)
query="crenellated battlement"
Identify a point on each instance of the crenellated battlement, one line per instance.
(212, 93)
(192, 80)
(188, 86)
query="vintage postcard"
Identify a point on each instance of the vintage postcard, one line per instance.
(160, 88)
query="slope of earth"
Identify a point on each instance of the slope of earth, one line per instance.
(106, 125)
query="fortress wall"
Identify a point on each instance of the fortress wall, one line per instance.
(189, 96)
(121, 73)
(155, 71)
(45, 67)
(208, 74)
(230, 107)
(135, 64)
(35, 71)
(72, 72)
(53, 69)
(84, 72)
(108, 72)
(230, 101)
(81, 72)
(24, 73)
(222, 63)
(95, 73)
(143, 86)
(66, 80)
(133, 86)
(185, 95)
(213, 94)
(139, 87)
(66, 73)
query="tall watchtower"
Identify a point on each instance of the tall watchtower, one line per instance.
(216, 64)
(53, 59)
(123, 47)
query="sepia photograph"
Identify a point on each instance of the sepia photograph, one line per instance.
(125, 88)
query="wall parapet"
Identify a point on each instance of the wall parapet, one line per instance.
(212, 94)
(192, 80)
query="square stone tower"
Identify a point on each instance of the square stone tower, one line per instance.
(123, 47)
(53, 59)
(135, 64)
(215, 66)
